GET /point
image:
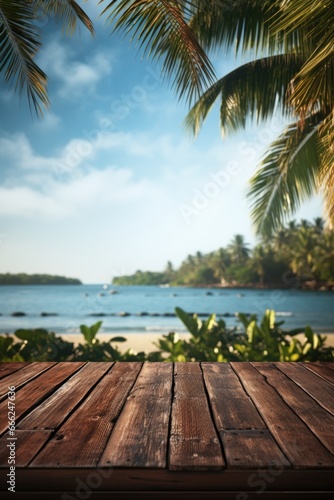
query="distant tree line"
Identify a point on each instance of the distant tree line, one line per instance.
(36, 279)
(304, 251)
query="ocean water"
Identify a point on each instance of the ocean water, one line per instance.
(150, 308)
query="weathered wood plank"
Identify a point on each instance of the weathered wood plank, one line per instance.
(21, 377)
(38, 389)
(140, 435)
(231, 406)
(53, 411)
(27, 444)
(114, 480)
(82, 438)
(322, 371)
(180, 495)
(329, 364)
(320, 390)
(315, 417)
(8, 368)
(253, 449)
(194, 443)
(289, 431)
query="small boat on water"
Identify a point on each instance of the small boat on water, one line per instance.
(164, 285)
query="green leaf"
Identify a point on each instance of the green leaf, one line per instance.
(118, 339)
(190, 323)
(282, 182)
(161, 30)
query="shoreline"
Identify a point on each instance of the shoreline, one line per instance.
(139, 341)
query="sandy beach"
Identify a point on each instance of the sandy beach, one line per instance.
(136, 341)
(145, 341)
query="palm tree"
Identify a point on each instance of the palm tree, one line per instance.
(295, 75)
(258, 260)
(20, 43)
(306, 254)
(292, 41)
(219, 261)
(238, 249)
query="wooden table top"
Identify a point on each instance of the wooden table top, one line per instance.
(172, 428)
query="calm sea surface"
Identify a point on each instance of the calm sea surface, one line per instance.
(150, 308)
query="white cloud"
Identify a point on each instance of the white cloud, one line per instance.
(50, 121)
(91, 192)
(75, 76)
(17, 152)
(26, 202)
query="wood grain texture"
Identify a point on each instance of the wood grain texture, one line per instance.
(194, 443)
(329, 364)
(323, 371)
(8, 368)
(231, 406)
(54, 410)
(38, 389)
(140, 436)
(253, 449)
(320, 421)
(83, 436)
(27, 445)
(292, 435)
(21, 377)
(163, 430)
(320, 390)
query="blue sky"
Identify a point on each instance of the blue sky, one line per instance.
(109, 181)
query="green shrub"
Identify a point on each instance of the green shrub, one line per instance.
(266, 341)
(209, 340)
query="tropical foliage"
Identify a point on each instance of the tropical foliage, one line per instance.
(36, 279)
(20, 41)
(264, 341)
(289, 47)
(209, 340)
(301, 253)
(289, 44)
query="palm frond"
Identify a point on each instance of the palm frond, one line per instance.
(19, 43)
(242, 24)
(326, 135)
(252, 90)
(160, 29)
(314, 83)
(288, 175)
(66, 12)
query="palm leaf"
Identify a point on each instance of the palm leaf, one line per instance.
(19, 43)
(66, 12)
(160, 28)
(326, 176)
(313, 86)
(242, 24)
(288, 175)
(253, 90)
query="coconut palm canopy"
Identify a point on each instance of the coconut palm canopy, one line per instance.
(20, 40)
(292, 71)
